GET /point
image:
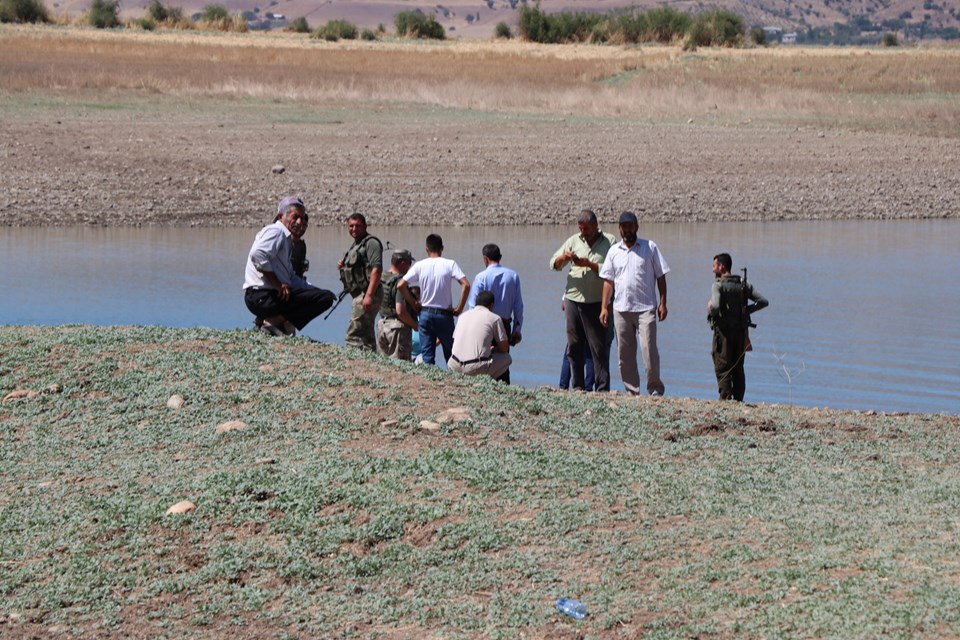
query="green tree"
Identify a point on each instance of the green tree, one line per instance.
(104, 14)
(23, 11)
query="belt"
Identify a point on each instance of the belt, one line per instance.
(446, 312)
(466, 362)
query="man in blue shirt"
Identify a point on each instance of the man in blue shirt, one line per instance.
(504, 284)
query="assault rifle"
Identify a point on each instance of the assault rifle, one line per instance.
(747, 345)
(743, 297)
(344, 292)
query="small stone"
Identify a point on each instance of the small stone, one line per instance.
(175, 401)
(28, 394)
(231, 425)
(429, 426)
(266, 460)
(389, 424)
(54, 388)
(266, 368)
(278, 169)
(184, 506)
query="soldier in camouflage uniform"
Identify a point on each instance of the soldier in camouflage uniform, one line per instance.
(397, 321)
(360, 272)
(729, 316)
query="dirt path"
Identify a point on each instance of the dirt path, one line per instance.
(161, 163)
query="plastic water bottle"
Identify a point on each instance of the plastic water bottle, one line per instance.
(572, 608)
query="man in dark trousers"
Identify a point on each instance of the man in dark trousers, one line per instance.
(282, 301)
(729, 314)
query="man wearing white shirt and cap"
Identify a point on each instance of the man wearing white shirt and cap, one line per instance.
(635, 269)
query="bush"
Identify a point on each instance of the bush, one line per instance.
(104, 14)
(147, 23)
(758, 36)
(23, 11)
(366, 34)
(335, 30)
(890, 39)
(215, 17)
(413, 24)
(299, 25)
(502, 30)
(163, 14)
(214, 13)
(665, 25)
(717, 29)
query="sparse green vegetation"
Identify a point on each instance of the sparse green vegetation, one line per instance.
(336, 30)
(300, 25)
(214, 12)
(104, 14)
(333, 510)
(164, 14)
(146, 23)
(716, 29)
(215, 17)
(23, 11)
(629, 26)
(367, 34)
(414, 24)
(502, 30)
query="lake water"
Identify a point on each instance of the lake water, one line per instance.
(862, 314)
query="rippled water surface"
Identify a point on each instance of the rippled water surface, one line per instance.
(863, 314)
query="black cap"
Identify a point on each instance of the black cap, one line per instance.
(628, 216)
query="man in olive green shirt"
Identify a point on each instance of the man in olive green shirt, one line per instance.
(585, 252)
(360, 272)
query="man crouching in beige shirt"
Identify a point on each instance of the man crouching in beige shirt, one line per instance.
(480, 343)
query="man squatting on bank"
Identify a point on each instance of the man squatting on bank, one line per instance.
(282, 301)
(360, 271)
(504, 284)
(397, 321)
(729, 316)
(636, 272)
(480, 341)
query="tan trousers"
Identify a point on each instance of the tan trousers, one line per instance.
(394, 339)
(361, 330)
(629, 325)
(494, 367)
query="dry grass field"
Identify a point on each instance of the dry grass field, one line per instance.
(881, 88)
(469, 131)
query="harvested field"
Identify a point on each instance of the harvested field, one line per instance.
(185, 129)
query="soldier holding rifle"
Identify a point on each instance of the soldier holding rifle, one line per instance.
(728, 313)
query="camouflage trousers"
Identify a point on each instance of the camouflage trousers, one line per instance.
(361, 330)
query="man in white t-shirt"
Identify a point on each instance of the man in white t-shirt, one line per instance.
(635, 269)
(433, 275)
(480, 341)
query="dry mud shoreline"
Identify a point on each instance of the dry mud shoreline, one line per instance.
(177, 167)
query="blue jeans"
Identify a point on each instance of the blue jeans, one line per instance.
(588, 382)
(435, 324)
(565, 371)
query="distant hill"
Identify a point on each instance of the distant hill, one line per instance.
(836, 21)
